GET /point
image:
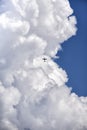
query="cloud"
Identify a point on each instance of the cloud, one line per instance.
(33, 91)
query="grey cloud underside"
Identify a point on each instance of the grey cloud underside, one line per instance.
(33, 91)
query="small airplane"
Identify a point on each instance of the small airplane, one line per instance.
(44, 59)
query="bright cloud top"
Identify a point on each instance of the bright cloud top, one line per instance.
(33, 94)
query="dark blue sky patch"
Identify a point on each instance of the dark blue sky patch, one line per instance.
(73, 58)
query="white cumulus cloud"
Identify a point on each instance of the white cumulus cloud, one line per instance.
(33, 91)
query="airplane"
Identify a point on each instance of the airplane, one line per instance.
(44, 59)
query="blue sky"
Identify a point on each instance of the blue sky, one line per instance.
(73, 58)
